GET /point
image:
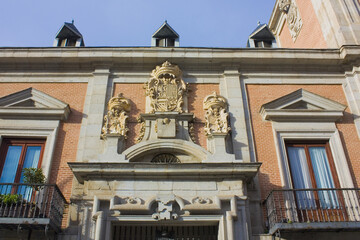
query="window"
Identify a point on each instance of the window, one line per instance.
(312, 167)
(15, 155)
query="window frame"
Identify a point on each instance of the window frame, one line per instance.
(311, 131)
(25, 143)
(306, 145)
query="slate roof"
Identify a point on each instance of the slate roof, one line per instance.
(262, 32)
(68, 30)
(165, 31)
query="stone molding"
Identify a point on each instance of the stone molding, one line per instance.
(33, 104)
(113, 171)
(166, 145)
(302, 105)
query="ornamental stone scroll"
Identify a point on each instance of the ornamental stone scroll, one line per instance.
(116, 117)
(293, 18)
(216, 115)
(166, 89)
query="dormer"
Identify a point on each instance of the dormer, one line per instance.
(261, 37)
(69, 36)
(165, 36)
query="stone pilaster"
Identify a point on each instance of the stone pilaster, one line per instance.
(94, 108)
(230, 88)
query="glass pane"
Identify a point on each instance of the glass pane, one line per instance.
(301, 177)
(31, 161)
(10, 167)
(323, 177)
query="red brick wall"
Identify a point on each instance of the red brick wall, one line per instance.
(136, 94)
(68, 134)
(264, 139)
(310, 36)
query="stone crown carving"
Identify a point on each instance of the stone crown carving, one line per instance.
(166, 89)
(216, 116)
(116, 117)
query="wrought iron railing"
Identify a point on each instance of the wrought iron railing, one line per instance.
(313, 205)
(32, 201)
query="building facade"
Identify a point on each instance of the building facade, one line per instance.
(166, 142)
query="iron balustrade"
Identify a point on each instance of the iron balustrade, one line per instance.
(313, 205)
(32, 201)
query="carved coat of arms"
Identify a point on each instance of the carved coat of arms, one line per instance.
(166, 89)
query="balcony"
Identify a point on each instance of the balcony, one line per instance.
(313, 209)
(31, 206)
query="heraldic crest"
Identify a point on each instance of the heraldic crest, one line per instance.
(166, 89)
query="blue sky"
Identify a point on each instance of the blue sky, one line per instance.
(200, 23)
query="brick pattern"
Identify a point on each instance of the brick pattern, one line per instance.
(264, 140)
(136, 94)
(68, 135)
(310, 35)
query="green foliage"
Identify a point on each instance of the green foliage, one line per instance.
(33, 176)
(9, 199)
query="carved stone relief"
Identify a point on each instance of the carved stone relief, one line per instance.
(293, 18)
(165, 158)
(142, 130)
(166, 89)
(201, 200)
(216, 116)
(116, 117)
(284, 5)
(165, 210)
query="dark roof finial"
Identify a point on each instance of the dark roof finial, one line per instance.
(259, 23)
(72, 21)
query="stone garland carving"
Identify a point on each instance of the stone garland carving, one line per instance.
(116, 117)
(293, 18)
(216, 117)
(166, 89)
(142, 130)
(165, 158)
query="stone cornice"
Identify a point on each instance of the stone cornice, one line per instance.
(146, 57)
(115, 171)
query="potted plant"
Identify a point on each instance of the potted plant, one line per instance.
(34, 177)
(8, 204)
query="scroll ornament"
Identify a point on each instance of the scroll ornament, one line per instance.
(284, 5)
(166, 89)
(116, 117)
(293, 18)
(216, 116)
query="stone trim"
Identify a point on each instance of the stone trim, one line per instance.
(303, 106)
(33, 104)
(311, 131)
(106, 171)
(47, 129)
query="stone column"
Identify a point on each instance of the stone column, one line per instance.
(230, 88)
(94, 108)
